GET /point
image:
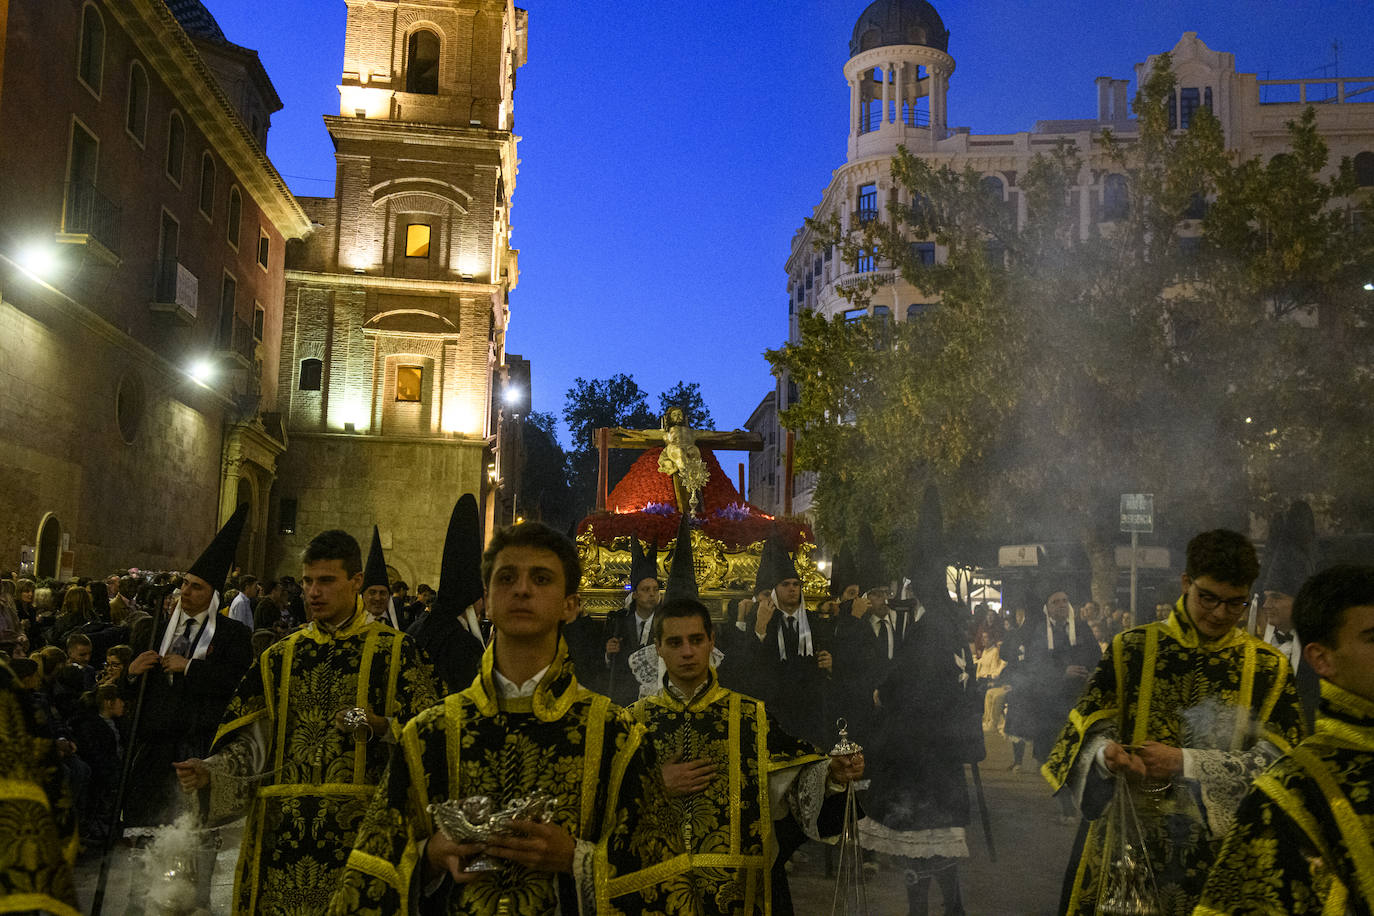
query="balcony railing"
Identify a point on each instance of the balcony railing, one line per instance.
(89, 212)
(175, 288)
(236, 339)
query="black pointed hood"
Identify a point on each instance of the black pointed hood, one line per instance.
(643, 564)
(460, 575)
(215, 561)
(775, 564)
(870, 572)
(928, 555)
(1290, 556)
(682, 574)
(842, 573)
(374, 573)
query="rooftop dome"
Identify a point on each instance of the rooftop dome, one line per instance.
(898, 22)
(196, 19)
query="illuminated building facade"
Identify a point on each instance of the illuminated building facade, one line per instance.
(899, 74)
(397, 304)
(142, 241)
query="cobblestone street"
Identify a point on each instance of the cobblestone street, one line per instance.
(1032, 848)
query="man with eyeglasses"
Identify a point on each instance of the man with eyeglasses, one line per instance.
(1182, 714)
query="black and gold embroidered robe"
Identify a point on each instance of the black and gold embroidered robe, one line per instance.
(711, 852)
(38, 842)
(565, 741)
(1301, 843)
(306, 784)
(1230, 703)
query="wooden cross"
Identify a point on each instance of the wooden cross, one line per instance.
(609, 437)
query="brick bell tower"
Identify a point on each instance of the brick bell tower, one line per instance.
(397, 305)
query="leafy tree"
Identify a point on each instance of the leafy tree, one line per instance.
(1066, 364)
(544, 485)
(616, 401)
(687, 395)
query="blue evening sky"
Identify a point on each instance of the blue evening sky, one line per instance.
(671, 148)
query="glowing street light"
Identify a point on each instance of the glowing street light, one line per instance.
(1369, 287)
(201, 371)
(38, 259)
(514, 396)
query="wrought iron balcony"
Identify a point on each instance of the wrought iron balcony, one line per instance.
(87, 212)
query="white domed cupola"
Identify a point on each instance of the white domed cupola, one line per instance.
(898, 72)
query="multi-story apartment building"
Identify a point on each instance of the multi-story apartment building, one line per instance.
(142, 241)
(899, 74)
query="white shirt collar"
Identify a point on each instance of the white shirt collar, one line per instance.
(509, 690)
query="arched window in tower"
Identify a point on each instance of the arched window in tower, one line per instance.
(422, 63)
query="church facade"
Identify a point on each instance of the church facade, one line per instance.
(900, 73)
(394, 331)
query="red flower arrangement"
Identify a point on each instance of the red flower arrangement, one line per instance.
(722, 513)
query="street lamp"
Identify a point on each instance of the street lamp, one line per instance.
(202, 371)
(38, 260)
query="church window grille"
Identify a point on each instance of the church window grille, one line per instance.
(312, 374)
(422, 63)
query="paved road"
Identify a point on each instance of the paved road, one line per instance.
(1032, 849)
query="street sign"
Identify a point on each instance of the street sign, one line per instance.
(1138, 513)
(1020, 555)
(1146, 557)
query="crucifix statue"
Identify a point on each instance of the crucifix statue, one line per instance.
(681, 455)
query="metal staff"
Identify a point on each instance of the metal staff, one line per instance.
(983, 811)
(98, 900)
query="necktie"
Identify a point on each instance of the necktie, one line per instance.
(181, 645)
(790, 637)
(644, 631)
(886, 636)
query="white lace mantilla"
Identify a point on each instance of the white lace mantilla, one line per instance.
(913, 844)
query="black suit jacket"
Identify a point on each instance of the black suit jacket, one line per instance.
(794, 689)
(620, 683)
(186, 709)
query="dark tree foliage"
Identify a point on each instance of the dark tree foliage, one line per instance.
(1220, 363)
(687, 395)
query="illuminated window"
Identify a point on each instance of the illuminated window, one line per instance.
(417, 240)
(408, 379)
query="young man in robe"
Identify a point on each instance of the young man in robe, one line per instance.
(721, 772)
(1301, 840)
(523, 727)
(1188, 711)
(307, 737)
